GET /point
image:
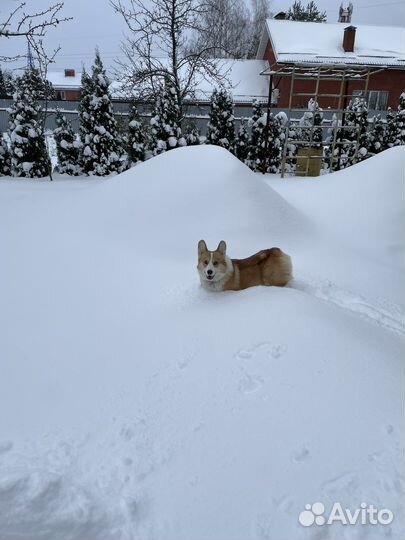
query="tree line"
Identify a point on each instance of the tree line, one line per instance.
(102, 147)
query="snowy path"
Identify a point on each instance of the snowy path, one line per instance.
(390, 317)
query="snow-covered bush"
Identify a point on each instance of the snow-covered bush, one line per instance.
(67, 146)
(5, 159)
(221, 125)
(165, 130)
(102, 148)
(136, 137)
(29, 157)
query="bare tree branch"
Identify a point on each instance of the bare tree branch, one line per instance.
(20, 24)
(158, 48)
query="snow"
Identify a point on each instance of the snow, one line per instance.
(295, 41)
(59, 81)
(135, 404)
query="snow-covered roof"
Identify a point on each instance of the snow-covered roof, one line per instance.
(245, 81)
(322, 43)
(59, 81)
(242, 78)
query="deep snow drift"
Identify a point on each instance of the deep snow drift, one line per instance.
(134, 404)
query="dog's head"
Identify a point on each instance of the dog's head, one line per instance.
(212, 265)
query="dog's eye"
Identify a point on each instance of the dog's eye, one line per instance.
(205, 262)
(215, 263)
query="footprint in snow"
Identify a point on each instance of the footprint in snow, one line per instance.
(250, 384)
(300, 455)
(273, 350)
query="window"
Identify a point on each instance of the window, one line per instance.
(376, 99)
(60, 94)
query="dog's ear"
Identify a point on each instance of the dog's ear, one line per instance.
(202, 246)
(222, 247)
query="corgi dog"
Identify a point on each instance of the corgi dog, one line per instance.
(220, 273)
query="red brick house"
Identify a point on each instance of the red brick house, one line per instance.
(378, 49)
(66, 83)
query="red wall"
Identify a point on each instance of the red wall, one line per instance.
(390, 80)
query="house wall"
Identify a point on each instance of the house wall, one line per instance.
(67, 94)
(390, 80)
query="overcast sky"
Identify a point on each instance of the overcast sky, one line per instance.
(95, 24)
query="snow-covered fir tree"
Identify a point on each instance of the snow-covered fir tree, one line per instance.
(29, 157)
(242, 142)
(311, 120)
(193, 136)
(165, 124)
(258, 159)
(256, 141)
(357, 116)
(136, 137)
(67, 146)
(102, 148)
(5, 158)
(221, 124)
(351, 138)
(3, 87)
(377, 136)
(275, 135)
(396, 124)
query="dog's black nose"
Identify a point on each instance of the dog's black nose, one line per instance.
(209, 272)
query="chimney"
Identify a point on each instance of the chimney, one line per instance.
(69, 72)
(348, 38)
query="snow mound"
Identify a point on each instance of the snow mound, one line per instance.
(134, 404)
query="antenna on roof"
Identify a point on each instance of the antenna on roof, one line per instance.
(345, 13)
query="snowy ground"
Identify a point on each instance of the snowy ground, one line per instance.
(135, 405)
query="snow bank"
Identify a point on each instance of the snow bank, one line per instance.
(134, 404)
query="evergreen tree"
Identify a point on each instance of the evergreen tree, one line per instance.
(396, 124)
(136, 137)
(255, 155)
(166, 121)
(67, 146)
(357, 116)
(390, 128)
(29, 157)
(5, 159)
(3, 87)
(274, 144)
(193, 137)
(102, 150)
(311, 119)
(221, 129)
(377, 136)
(310, 13)
(242, 142)
(8, 84)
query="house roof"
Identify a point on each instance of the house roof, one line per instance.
(242, 79)
(60, 82)
(321, 43)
